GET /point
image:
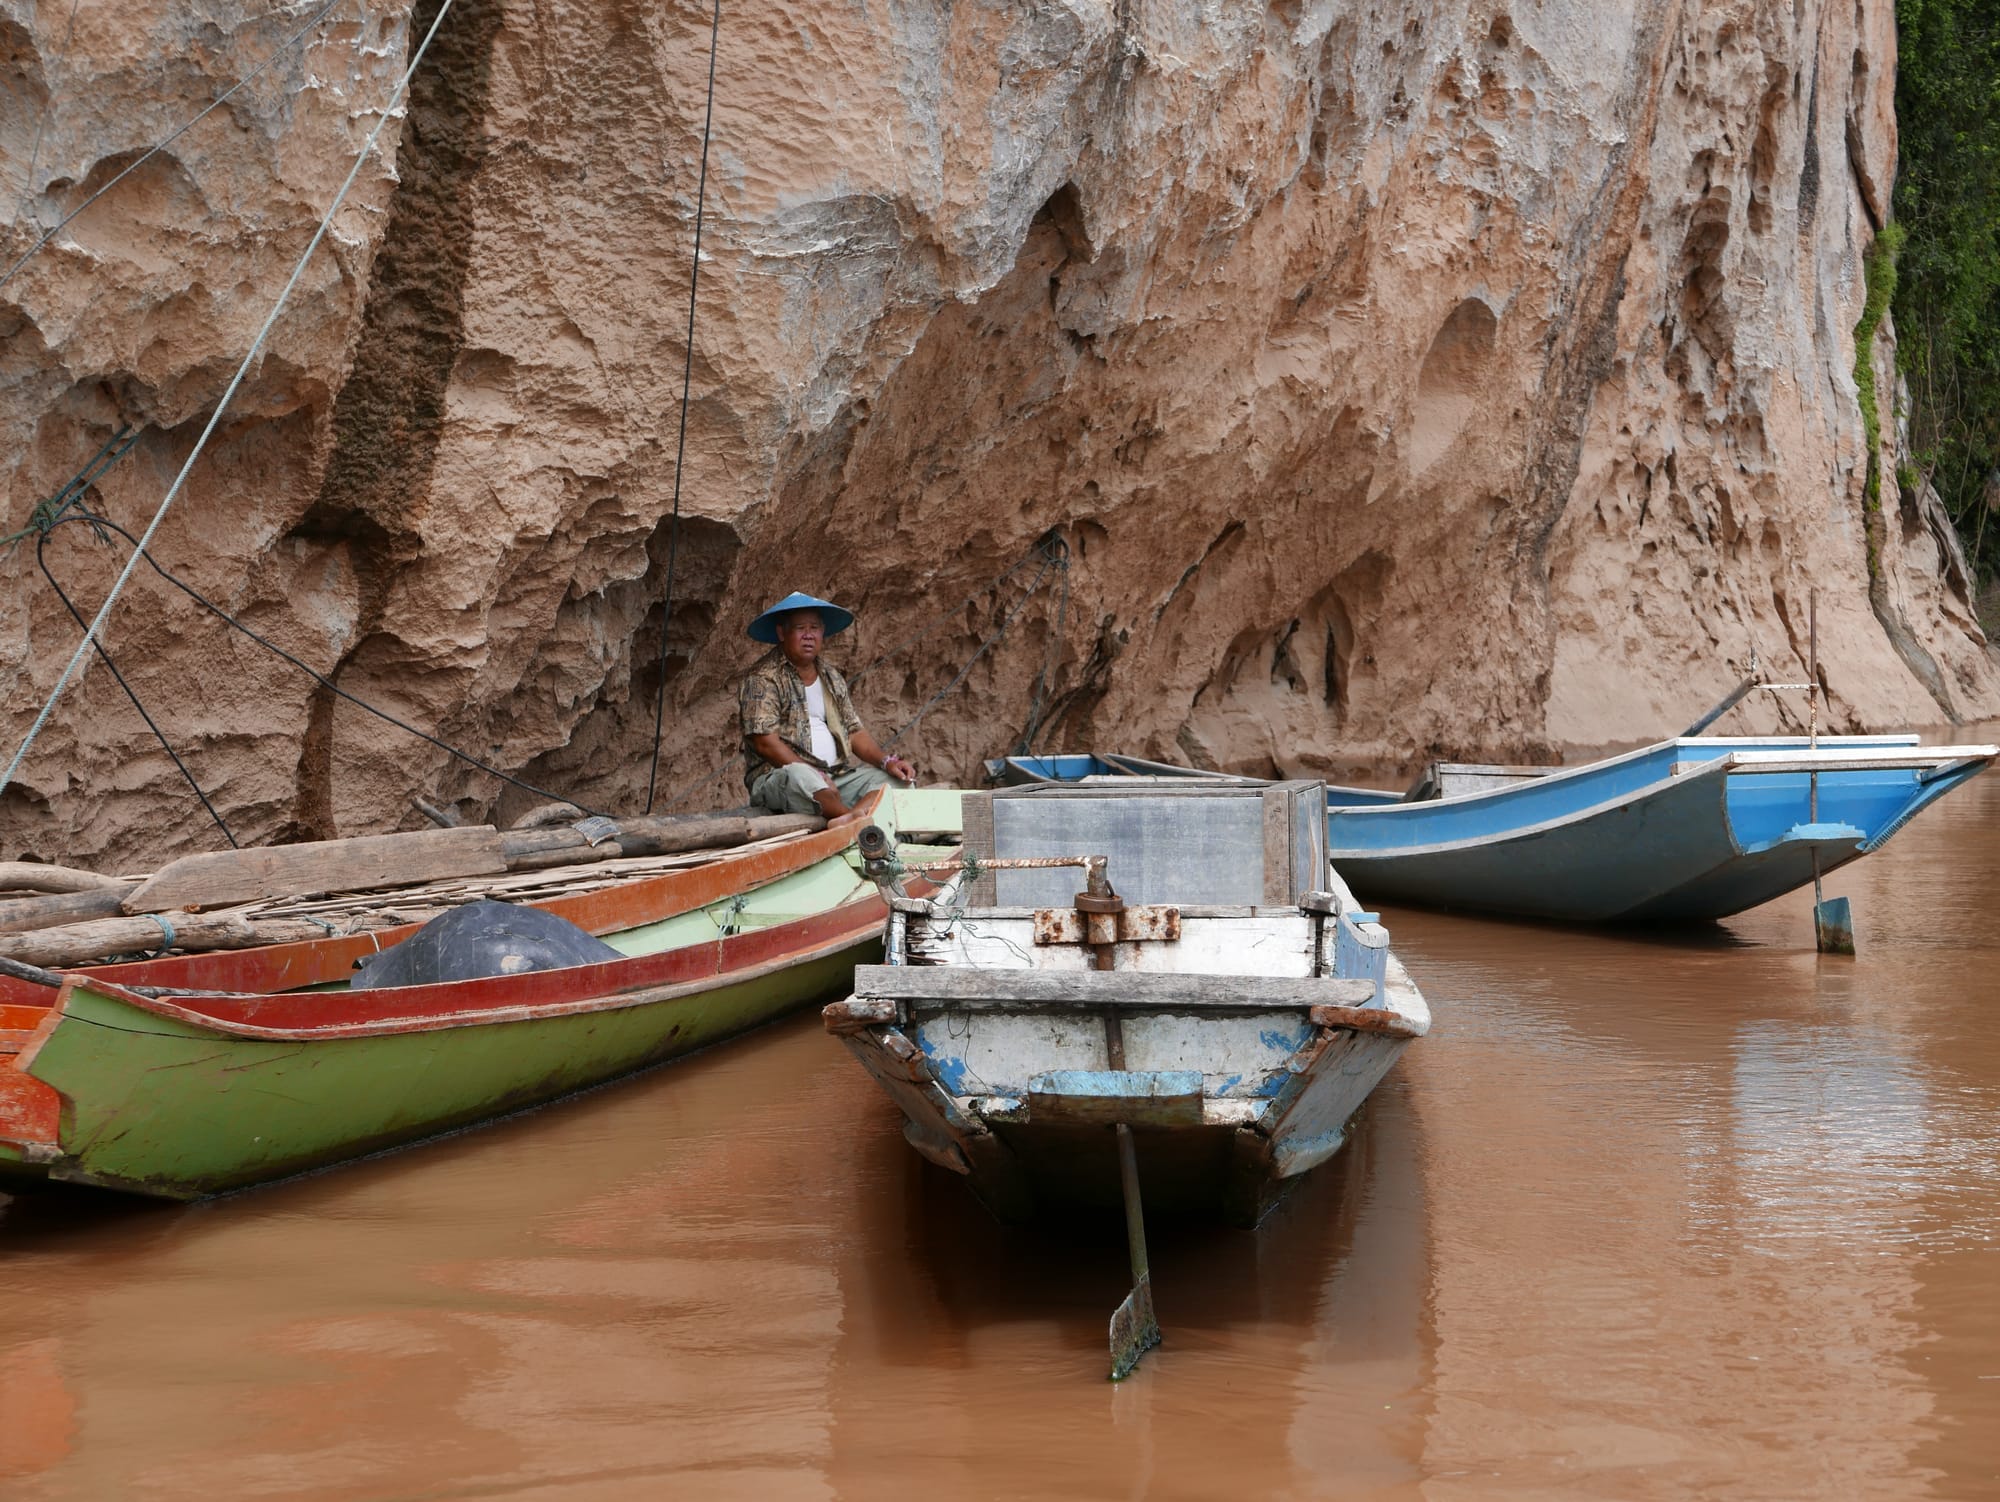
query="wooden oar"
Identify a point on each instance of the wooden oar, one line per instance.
(1135, 1328)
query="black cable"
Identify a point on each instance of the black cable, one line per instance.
(687, 385)
(323, 681)
(216, 103)
(41, 562)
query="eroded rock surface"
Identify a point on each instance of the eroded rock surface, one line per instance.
(1402, 377)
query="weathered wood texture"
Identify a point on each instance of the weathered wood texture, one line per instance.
(26, 913)
(82, 943)
(33, 876)
(219, 877)
(977, 989)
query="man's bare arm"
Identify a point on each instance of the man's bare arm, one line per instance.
(901, 768)
(775, 749)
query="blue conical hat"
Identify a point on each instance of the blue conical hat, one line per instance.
(765, 627)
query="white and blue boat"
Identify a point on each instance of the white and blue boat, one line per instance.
(1694, 828)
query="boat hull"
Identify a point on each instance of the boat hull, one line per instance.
(1635, 840)
(164, 1106)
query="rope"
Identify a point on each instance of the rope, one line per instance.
(49, 512)
(42, 562)
(320, 678)
(215, 418)
(687, 384)
(154, 150)
(42, 122)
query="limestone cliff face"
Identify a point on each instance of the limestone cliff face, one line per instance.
(1403, 377)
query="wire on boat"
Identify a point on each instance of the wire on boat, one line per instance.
(105, 524)
(390, 111)
(42, 562)
(687, 385)
(42, 120)
(159, 146)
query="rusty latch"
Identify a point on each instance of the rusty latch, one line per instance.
(1065, 925)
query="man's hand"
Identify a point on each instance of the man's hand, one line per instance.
(901, 769)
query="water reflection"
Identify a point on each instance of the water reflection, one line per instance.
(1641, 1218)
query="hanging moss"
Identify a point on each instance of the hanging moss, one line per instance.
(1879, 274)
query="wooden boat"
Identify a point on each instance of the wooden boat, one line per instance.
(1253, 1000)
(192, 1075)
(1082, 766)
(1693, 828)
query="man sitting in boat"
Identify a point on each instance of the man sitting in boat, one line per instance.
(806, 750)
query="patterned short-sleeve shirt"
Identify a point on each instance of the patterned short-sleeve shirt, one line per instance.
(773, 702)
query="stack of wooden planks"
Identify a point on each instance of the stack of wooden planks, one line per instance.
(56, 916)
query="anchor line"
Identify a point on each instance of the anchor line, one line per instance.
(42, 562)
(91, 633)
(687, 385)
(162, 144)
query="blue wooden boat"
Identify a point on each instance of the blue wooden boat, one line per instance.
(1083, 766)
(1692, 828)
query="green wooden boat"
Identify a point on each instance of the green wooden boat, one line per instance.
(194, 1093)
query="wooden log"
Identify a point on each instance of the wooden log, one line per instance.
(87, 943)
(968, 988)
(27, 913)
(33, 876)
(223, 877)
(535, 849)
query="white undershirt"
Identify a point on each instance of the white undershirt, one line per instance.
(822, 738)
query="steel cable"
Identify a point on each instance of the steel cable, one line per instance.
(90, 635)
(161, 145)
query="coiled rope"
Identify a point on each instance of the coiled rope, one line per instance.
(159, 146)
(96, 626)
(687, 385)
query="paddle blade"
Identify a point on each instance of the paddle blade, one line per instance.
(1833, 926)
(1135, 1329)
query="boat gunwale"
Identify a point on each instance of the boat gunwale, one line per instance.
(860, 919)
(274, 969)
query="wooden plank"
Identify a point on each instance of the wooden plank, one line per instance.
(1107, 1097)
(33, 876)
(1278, 846)
(976, 809)
(970, 989)
(221, 877)
(1366, 1020)
(29, 913)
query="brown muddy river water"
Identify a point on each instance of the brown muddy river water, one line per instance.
(1691, 1216)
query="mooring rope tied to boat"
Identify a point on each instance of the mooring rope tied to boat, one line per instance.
(390, 111)
(157, 147)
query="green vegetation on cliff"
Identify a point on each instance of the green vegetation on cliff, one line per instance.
(1947, 283)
